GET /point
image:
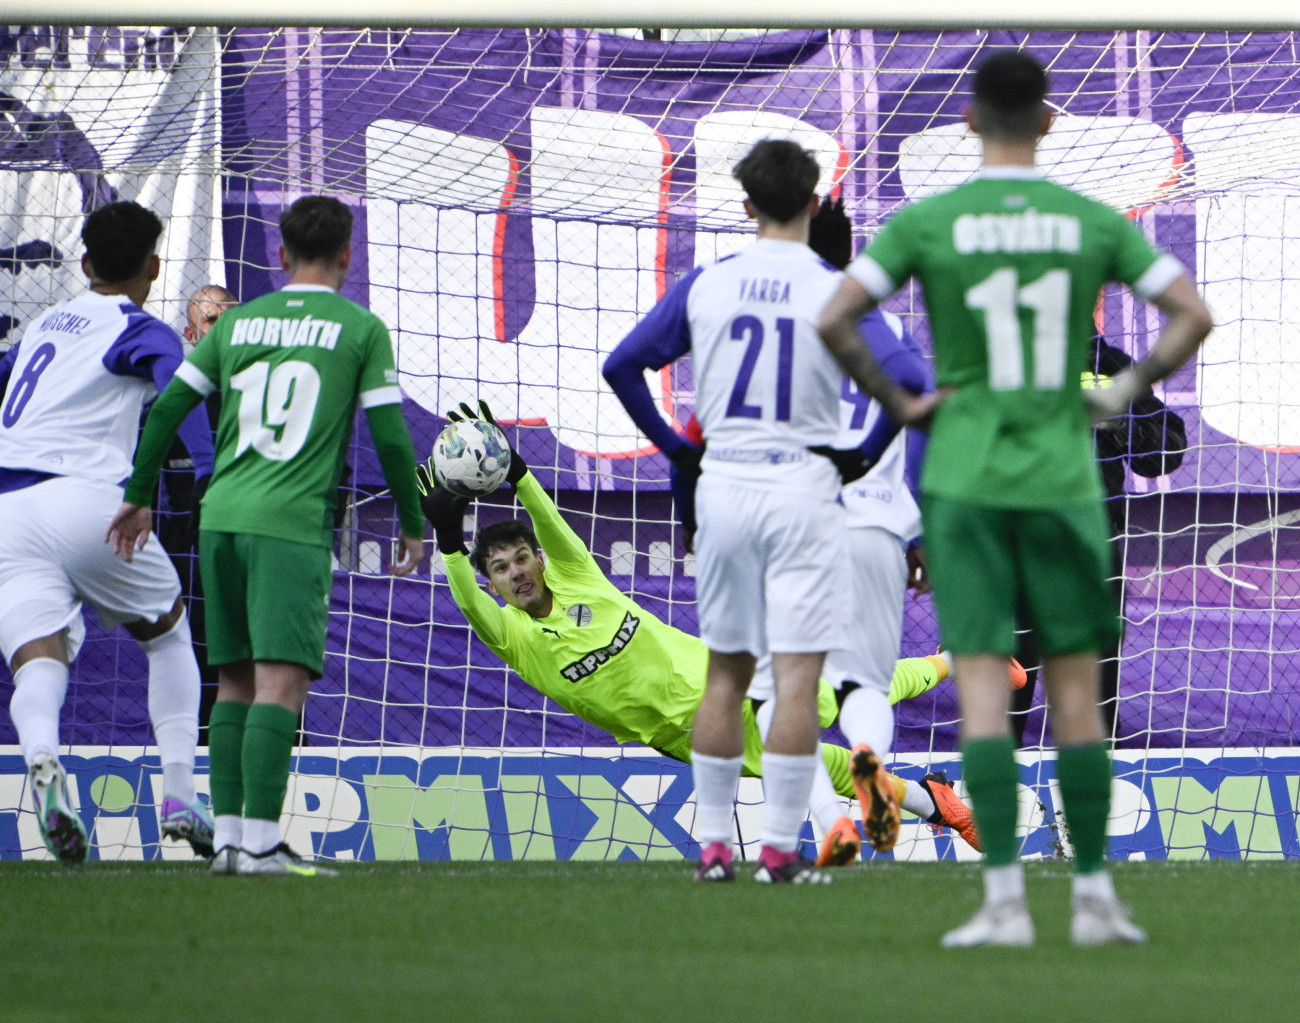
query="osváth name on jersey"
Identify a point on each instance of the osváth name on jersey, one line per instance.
(1026, 231)
(286, 332)
(585, 666)
(763, 289)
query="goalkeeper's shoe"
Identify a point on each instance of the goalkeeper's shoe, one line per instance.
(1103, 922)
(842, 844)
(998, 923)
(950, 811)
(776, 867)
(60, 825)
(188, 821)
(1016, 674)
(280, 860)
(880, 811)
(715, 863)
(225, 862)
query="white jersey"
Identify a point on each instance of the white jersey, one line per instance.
(881, 498)
(766, 388)
(78, 384)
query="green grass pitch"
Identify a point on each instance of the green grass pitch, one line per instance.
(617, 942)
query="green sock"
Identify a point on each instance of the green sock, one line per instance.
(225, 750)
(269, 734)
(1084, 775)
(991, 776)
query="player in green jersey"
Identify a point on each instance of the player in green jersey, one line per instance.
(291, 367)
(1011, 266)
(579, 640)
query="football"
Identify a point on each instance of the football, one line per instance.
(471, 458)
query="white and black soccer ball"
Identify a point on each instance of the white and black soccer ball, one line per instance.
(471, 458)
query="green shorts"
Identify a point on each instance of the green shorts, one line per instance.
(1046, 570)
(264, 599)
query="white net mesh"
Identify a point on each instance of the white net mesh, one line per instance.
(523, 197)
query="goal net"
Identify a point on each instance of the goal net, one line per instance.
(522, 198)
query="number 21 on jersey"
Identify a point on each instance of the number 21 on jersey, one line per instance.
(754, 333)
(1000, 297)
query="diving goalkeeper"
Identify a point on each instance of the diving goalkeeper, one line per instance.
(579, 640)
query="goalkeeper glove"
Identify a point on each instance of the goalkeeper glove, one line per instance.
(518, 467)
(444, 510)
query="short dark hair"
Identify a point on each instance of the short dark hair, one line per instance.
(779, 176)
(1009, 89)
(315, 227)
(119, 240)
(498, 535)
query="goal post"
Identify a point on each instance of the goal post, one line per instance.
(523, 195)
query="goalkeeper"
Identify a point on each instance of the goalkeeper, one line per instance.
(579, 640)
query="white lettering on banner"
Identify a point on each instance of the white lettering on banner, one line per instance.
(590, 279)
(1248, 228)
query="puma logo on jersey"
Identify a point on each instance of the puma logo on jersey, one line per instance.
(580, 669)
(761, 289)
(1027, 231)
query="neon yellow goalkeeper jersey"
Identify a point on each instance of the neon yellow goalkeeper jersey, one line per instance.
(597, 654)
(1011, 266)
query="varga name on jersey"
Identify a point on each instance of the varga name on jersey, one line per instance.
(1026, 231)
(286, 332)
(580, 669)
(762, 289)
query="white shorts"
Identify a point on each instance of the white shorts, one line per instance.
(53, 556)
(769, 569)
(873, 633)
(868, 649)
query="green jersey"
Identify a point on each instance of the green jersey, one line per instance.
(1011, 266)
(597, 654)
(292, 367)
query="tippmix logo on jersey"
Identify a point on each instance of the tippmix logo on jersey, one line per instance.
(581, 615)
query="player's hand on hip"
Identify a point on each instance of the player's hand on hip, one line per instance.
(916, 411)
(128, 530)
(410, 550)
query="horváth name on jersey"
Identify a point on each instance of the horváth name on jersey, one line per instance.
(1026, 231)
(286, 332)
(763, 289)
(580, 669)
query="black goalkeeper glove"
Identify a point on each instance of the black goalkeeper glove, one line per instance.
(851, 463)
(830, 233)
(444, 510)
(518, 467)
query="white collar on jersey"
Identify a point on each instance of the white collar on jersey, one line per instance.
(1014, 173)
(307, 287)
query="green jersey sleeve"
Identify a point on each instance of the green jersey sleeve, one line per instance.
(377, 384)
(888, 261)
(1140, 265)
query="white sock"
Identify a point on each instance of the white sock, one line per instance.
(1004, 884)
(228, 830)
(867, 716)
(39, 688)
(826, 805)
(787, 786)
(916, 800)
(716, 782)
(260, 836)
(1097, 885)
(174, 706)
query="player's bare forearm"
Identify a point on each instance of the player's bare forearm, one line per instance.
(129, 530)
(1187, 325)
